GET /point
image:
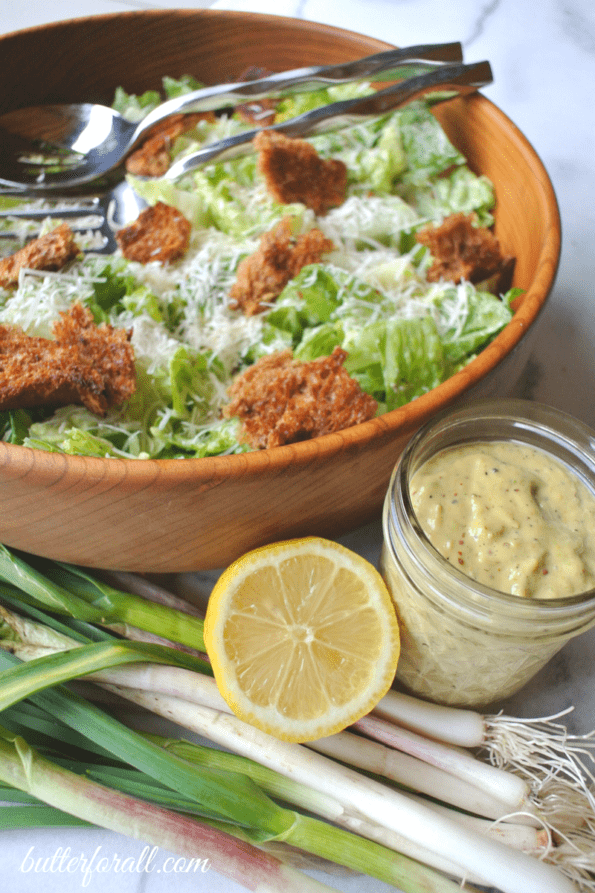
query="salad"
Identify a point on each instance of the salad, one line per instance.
(370, 295)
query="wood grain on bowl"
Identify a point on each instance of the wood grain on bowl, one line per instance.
(176, 515)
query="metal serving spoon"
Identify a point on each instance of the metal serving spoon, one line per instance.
(62, 146)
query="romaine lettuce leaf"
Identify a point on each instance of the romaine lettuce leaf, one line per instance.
(298, 103)
(396, 360)
(393, 359)
(428, 150)
(467, 319)
(375, 219)
(174, 87)
(313, 298)
(190, 203)
(14, 425)
(319, 341)
(220, 437)
(110, 284)
(191, 381)
(380, 166)
(133, 107)
(460, 191)
(76, 431)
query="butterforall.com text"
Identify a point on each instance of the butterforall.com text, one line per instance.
(64, 861)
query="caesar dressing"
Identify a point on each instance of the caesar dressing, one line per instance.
(510, 516)
(529, 525)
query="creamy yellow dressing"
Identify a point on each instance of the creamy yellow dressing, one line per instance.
(509, 516)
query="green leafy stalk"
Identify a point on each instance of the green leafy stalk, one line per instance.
(36, 816)
(51, 736)
(29, 582)
(308, 834)
(274, 823)
(442, 839)
(313, 835)
(221, 793)
(229, 795)
(21, 681)
(79, 630)
(22, 767)
(137, 784)
(125, 607)
(72, 592)
(270, 781)
(261, 817)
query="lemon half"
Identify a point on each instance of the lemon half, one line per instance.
(303, 638)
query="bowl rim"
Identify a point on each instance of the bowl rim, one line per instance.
(398, 421)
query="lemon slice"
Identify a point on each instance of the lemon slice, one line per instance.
(303, 638)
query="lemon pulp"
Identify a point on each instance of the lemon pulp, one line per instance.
(303, 638)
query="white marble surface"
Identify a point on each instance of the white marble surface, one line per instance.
(543, 57)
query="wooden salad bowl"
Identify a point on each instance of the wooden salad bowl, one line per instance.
(166, 516)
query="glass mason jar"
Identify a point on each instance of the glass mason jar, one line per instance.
(464, 643)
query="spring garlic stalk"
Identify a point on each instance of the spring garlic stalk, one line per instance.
(221, 792)
(400, 750)
(495, 863)
(24, 768)
(71, 592)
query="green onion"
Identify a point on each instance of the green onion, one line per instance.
(23, 767)
(490, 861)
(238, 795)
(42, 672)
(71, 592)
(39, 816)
(227, 793)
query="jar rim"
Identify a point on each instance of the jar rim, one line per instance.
(533, 423)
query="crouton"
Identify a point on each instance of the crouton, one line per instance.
(49, 252)
(295, 172)
(262, 276)
(461, 250)
(159, 233)
(85, 364)
(279, 400)
(152, 159)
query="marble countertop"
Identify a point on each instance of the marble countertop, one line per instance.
(543, 58)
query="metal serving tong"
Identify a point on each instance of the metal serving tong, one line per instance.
(445, 82)
(114, 209)
(59, 147)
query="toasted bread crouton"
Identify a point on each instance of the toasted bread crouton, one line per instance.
(280, 400)
(461, 250)
(152, 159)
(50, 252)
(262, 276)
(159, 233)
(85, 363)
(295, 172)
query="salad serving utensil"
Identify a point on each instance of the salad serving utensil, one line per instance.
(62, 146)
(444, 82)
(105, 213)
(98, 216)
